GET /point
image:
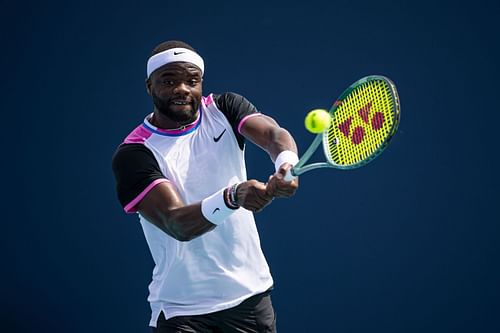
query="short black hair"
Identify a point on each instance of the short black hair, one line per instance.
(171, 44)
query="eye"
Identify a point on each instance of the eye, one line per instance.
(192, 82)
(167, 82)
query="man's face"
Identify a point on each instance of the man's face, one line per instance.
(176, 89)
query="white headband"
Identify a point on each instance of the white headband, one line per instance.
(175, 55)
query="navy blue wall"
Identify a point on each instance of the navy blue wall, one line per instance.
(409, 243)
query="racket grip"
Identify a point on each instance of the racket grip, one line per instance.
(289, 175)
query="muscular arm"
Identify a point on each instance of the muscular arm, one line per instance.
(142, 187)
(267, 134)
(164, 207)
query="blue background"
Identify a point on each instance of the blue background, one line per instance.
(409, 243)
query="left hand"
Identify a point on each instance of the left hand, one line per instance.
(252, 195)
(278, 187)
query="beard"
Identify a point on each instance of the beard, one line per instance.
(166, 108)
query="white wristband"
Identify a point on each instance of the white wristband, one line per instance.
(215, 209)
(286, 156)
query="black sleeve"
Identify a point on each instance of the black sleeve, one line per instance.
(135, 168)
(235, 107)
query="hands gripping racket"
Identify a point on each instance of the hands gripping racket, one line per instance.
(363, 120)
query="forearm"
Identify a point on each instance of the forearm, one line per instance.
(182, 223)
(280, 140)
(282, 149)
(164, 208)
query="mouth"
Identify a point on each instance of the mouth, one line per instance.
(180, 102)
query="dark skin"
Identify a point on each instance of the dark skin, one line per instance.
(176, 89)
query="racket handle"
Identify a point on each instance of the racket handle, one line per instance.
(289, 176)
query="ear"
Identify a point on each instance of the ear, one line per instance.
(148, 86)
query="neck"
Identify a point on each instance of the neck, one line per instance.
(161, 121)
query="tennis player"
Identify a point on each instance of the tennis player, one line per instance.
(183, 171)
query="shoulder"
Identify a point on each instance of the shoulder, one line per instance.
(131, 149)
(229, 100)
(136, 170)
(236, 109)
(129, 155)
(234, 105)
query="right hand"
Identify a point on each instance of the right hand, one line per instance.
(278, 187)
(253, 195)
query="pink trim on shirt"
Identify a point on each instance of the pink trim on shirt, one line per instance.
(207, 100)
(130, 208)
(138, 135)
(179, 131)
(240, 125)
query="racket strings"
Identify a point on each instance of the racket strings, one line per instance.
(361, 124)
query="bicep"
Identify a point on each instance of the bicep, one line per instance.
(159, 202)
(164, 207)
(265, 132)
(259, 129)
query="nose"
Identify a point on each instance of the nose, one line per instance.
(181, 88)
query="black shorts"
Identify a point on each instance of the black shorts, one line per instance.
(254, 315)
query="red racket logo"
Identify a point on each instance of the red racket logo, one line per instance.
(358, 134)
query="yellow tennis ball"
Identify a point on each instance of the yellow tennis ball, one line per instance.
(317, 121)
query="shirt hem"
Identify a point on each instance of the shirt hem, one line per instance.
(225, 306)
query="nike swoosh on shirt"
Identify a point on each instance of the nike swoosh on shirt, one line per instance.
(216, 139)
(176, 53)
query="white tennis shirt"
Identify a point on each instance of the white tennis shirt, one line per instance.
(225, 266)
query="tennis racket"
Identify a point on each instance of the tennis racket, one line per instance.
(363, 121)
